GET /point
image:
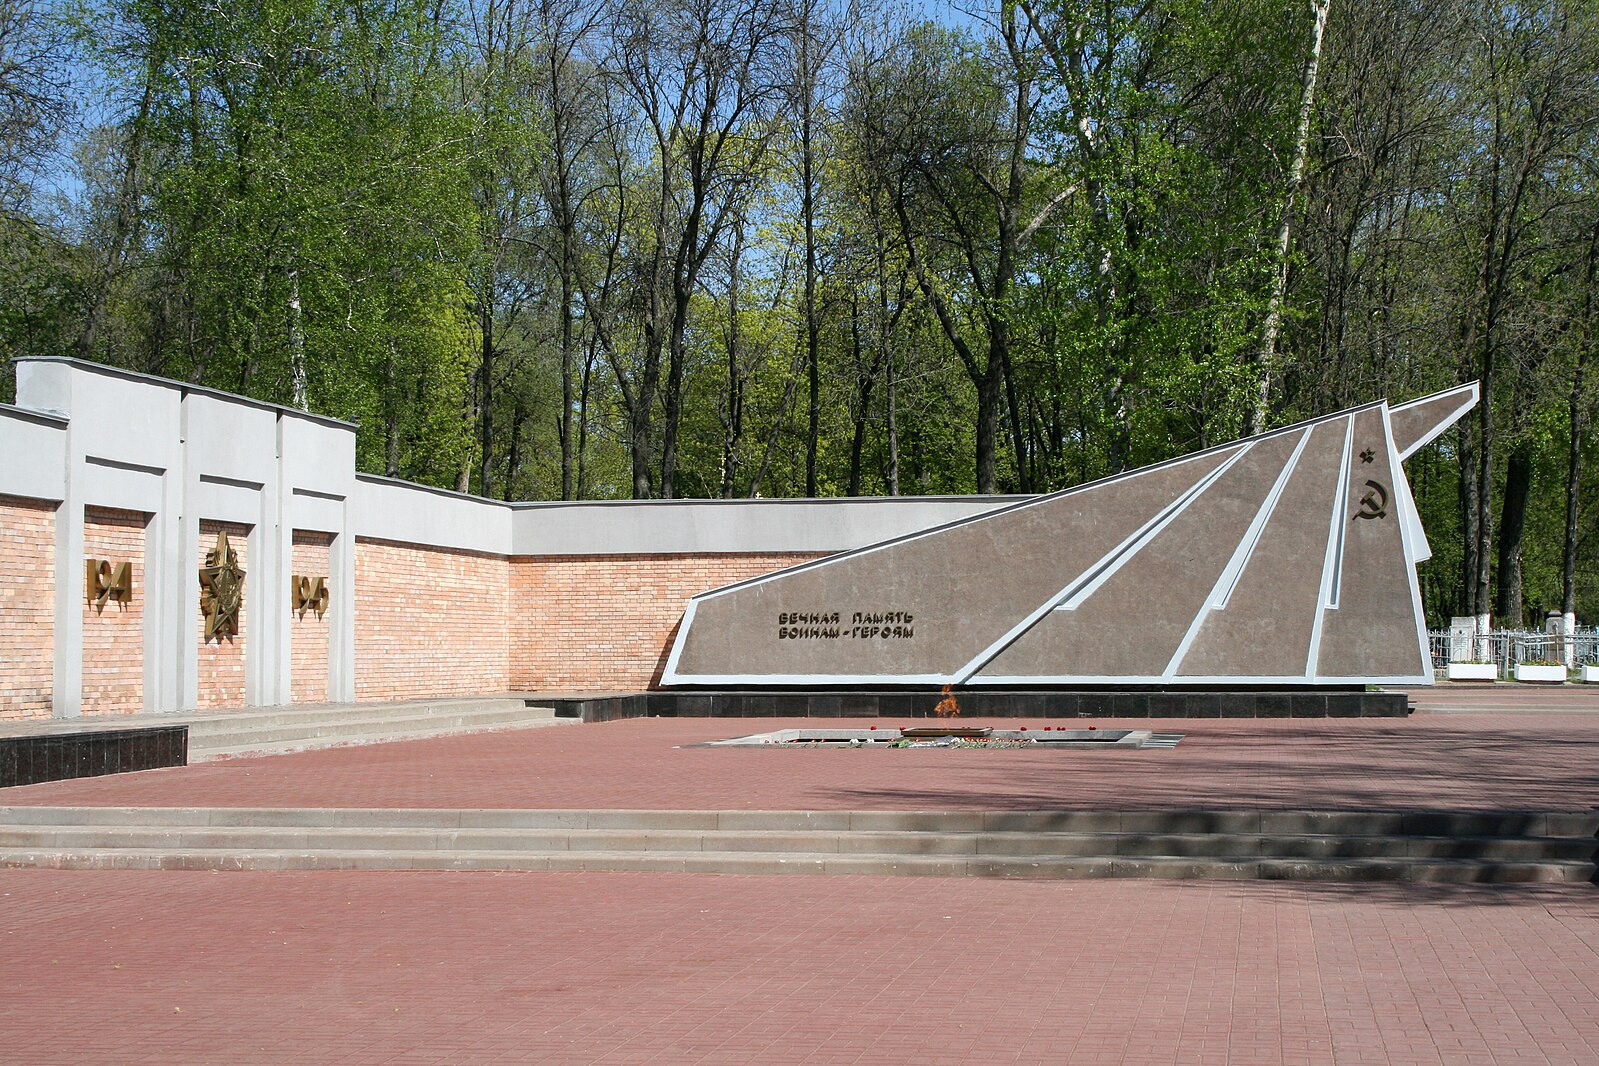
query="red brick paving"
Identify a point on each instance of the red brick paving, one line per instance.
(125, 967)
(170, 967)
(1468, 761)
(1505, 697)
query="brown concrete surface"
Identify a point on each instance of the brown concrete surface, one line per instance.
(1373, 631)
(1134, 622)
(1269, 621)
(964, 584)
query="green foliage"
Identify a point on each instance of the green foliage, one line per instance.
(456, 224)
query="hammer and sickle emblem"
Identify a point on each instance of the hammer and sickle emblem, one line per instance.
(1375, 503)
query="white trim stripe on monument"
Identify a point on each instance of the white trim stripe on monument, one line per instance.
(813, 679)
(1109, 681)
(669, 674)
(1333, 526)
(1411, 528)
(1406, 506)
(1246, 548)
(1183, 681)
(1124, 553)
(1471, 390)
(1085, 584)
(1233, 572)
(1335, 588)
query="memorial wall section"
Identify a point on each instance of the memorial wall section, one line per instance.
(115, 489)
(27, 606)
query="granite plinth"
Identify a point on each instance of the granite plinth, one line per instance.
(990, 703)
(28, 760)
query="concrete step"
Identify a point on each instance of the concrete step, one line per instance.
(1528, 846)
(290, 747)
(1223, 847)
(1458, 871)
(355, 725)
(266, 717)
(284, 730)
(1577, 824)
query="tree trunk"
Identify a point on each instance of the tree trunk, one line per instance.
(297, 371)
(1272, 328)
(734, 426)
(1512, 523)
(513, 455)
(485, 396)
(1018, 431)
(1484, 491)
(127, 214)
(1467, 477)
(564, 423)
(864, 379)
(989, 397)
(893, 427)
(391, 418)
(886, 353)
(583, 423)
(808, 209)
(641, 403)
(1577, 410)
(673, 399)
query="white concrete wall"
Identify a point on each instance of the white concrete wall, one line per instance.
(94, 436)
(389, 509)
(33, 453)
(629, 527)
(86, 435)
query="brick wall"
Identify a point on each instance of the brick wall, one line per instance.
(308, 640)
(602, 622)
(221, 673)
(428, 621)
(27, 607)
(113, 633)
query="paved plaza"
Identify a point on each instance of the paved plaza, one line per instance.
(1541, 755)
(168, 967)
(414, 967)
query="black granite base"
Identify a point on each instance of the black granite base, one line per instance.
(58, 756)
(988, 703)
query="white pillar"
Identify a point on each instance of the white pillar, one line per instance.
(341, 612)
(266, 648)
(185, 536)
(66, 697)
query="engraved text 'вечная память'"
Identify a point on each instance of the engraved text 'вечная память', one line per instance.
(826, 625)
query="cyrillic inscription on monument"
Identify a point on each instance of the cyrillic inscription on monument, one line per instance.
(828, 625)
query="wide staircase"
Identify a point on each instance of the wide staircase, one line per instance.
(279, 730)
(1442, 846)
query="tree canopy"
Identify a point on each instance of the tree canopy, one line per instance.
(559, 249)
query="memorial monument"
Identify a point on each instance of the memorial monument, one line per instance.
(1270, 576)
(1285, 559)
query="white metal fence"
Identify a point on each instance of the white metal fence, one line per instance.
(1508, 647)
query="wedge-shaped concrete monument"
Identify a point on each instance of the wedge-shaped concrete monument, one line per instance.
(1287, 559)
